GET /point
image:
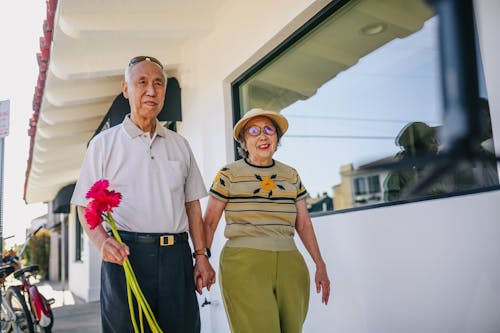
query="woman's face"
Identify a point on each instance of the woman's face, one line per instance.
(261, 140)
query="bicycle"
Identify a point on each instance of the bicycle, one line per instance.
(14, 314)
(41, 318)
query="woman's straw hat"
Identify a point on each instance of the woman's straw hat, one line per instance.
(273, 115)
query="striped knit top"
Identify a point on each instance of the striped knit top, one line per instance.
(260, 204)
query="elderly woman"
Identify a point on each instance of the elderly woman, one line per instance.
(263, 277)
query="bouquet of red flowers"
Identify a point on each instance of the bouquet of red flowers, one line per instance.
(99, 209)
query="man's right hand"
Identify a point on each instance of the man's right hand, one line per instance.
(114, 252)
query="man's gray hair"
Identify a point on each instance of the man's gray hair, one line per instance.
(129, 67)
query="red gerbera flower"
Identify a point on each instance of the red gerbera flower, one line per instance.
(100, 208)
(97, 189)
(103, 200)
(93, 214)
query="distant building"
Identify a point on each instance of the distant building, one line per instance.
(360, 187)
(322, 203)
(342, 193)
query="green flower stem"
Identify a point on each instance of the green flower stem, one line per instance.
(143, 305)
(131, 308)
(141, 320)
(141, 300)
(137, 290)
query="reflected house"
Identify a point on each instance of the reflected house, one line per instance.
(321, 203)
(342, 193)
(361, 186)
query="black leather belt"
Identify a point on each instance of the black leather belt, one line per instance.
(153, 238)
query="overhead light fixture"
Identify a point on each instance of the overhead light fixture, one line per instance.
(373, 29)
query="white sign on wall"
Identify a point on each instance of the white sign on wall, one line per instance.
(4, 118)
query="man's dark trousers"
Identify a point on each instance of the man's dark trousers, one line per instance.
(165, 275)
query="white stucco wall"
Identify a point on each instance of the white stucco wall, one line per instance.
(422, 267)
(84, 275)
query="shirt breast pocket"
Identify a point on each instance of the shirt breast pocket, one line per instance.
(175, 174)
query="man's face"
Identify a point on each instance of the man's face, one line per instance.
(145, 90)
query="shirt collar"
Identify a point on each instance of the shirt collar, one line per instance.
(134, 131)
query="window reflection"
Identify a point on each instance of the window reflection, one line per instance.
(362, 90)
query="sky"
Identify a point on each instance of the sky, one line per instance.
(21, 26)
(355, 117)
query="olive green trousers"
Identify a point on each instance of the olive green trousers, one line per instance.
(264, 291)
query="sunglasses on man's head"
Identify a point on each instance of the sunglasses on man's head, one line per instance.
(256, 130)
(138, 59)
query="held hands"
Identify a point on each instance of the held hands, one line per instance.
(322, 282)
(204, 274)
(114, 252)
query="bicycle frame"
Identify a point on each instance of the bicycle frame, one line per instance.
(39, 305)
(6, 312)
(10, 321)
(8, 315)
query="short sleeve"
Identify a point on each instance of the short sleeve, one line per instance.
(194, 188)
(301, 190)
(220, 188)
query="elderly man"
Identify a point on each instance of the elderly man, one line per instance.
(155, 171)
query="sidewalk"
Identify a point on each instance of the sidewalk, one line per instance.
(70, 314)
(78, 318)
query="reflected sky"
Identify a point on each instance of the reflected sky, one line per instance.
(355, 117)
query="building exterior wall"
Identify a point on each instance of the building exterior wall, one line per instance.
(410, 268)
(54, 257)
(393, 269)
(83, 277)
(405, 268)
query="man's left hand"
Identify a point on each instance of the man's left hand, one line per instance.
(204, 274)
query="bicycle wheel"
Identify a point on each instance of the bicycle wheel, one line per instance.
(23, 322)
(47, 329)
(5, 318)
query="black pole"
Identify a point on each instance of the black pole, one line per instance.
(459, 83)
(458, 62)
(4, 131)
(2, 145)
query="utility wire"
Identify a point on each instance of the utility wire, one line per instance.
(398, 121)
(368, 137)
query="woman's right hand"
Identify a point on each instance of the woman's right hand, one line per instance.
(322, 282)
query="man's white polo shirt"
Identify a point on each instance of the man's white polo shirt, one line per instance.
(156, 177)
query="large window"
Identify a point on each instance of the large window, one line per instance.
(360, 87)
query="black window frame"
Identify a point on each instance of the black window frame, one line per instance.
(454, 18)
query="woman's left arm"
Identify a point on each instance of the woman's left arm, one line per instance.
(305, 229)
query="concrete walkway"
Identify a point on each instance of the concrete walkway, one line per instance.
(78, 318)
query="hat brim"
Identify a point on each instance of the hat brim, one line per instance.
(280, 121)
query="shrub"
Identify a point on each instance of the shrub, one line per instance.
(38, 251)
